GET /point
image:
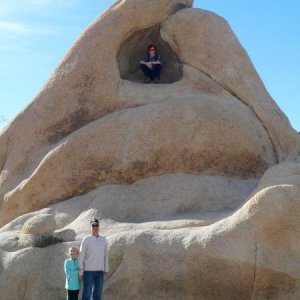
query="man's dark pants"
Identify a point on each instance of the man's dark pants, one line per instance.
(151, 73)
(92, 285)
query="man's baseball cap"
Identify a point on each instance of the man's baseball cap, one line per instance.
(94, 221)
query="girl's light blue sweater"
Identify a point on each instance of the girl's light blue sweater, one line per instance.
(72, 274)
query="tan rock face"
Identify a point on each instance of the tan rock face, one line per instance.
(159, 134)
(212, 48)
(251, 253)
(161, 164)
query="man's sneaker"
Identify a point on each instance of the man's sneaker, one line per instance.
(147, 80)
(156, 80)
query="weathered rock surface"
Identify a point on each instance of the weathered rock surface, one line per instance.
(212, 48)
(149, 140)
(41, 224)
(251, 254)
(184, 174)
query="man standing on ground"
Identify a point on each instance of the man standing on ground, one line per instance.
(93, 263)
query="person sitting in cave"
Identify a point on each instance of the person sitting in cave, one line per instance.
(151, 65)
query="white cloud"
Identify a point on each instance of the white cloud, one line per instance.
(42, 7)
(23, 22)
(13, 27)
(17, 28)
(23, 17)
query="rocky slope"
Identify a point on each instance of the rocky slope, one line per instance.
(196, 179)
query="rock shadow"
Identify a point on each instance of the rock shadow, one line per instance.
(134, 49)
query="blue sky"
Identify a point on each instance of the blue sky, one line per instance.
(35, 35)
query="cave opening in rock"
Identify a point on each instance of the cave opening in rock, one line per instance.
(134, 49)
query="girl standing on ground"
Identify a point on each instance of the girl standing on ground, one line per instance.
(72, 274)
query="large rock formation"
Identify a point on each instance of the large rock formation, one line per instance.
(196, 179)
